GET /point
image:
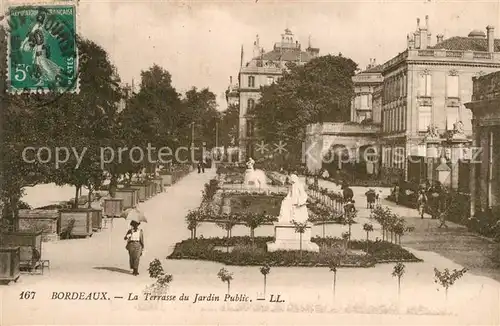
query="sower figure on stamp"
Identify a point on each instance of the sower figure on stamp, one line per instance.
(45, 69)
(135, 245)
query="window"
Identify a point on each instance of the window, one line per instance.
(424, 117)
(451, 117)
(270, 80)
(250, 105)
(251, 81)
(250, 128)
(425, 84)
(402, 119)
(405, 81)
(452, 86)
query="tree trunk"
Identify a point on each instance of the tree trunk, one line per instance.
(227, 242)
(77, 192)
(228, 287)
(89, 197)
(14, 206)
(113, 184)
(265, 283)
(334, 283)
(194, 233)
(300, 246)
(324, 229)
(399, 287)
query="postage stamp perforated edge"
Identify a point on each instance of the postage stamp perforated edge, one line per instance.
(12, 4)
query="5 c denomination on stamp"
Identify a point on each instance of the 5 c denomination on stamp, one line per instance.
(42, 49)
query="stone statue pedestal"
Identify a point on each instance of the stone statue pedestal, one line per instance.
(249, 179)
(285, 238)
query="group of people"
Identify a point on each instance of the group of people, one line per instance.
(431, 197)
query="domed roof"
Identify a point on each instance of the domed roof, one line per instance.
(477, 34)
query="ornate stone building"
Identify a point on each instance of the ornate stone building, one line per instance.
(485, 173)
(264, 69)
(426, 86)
(331, 145)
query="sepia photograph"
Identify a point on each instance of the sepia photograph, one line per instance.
(249, 162)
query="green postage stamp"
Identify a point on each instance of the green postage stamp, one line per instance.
(43, 53)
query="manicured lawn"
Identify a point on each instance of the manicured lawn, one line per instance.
(244, 251)
(255, 204)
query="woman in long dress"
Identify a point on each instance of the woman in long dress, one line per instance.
(135, 246)
(293, 206)
(44, 68)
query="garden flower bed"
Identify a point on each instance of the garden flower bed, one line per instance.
(245, 251)
(254, 203)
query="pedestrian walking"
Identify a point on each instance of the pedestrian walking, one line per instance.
(135, 246)
(348, 194)
(201, 166)
(395, 192)
(421, 201)
(442, 219)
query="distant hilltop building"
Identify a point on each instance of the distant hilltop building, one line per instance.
(263, 69)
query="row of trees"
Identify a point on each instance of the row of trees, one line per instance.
(103, 114)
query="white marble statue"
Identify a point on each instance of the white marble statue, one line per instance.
(254, 178)
(293, 206)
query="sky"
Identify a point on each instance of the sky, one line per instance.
(199, 42)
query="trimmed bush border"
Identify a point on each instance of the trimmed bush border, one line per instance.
(203, 249)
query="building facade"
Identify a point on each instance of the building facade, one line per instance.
(332, 145)
(264, 69)
(485, 108)
(425, 87)
(365, 105)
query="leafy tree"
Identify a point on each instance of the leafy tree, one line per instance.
(227, 223)
(201, 109)
(17, 131)
(228, 130)
(398, 271)
(334, 264)
(225, 276)
(447, 278)
(253, 221)
(264, 270)
(81, 121)
(300, 228)
(318, 91)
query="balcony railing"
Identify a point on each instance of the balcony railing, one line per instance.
(426, 53)
(482, 55)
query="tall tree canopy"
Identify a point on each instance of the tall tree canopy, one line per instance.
(319, 91)
(229, 125)
(201, 108)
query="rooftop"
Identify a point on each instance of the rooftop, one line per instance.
(472, 43)
(286, 55)
(377, 68)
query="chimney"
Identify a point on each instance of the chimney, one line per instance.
(231, 80)
(424, 38)
(256, 47)
(491, 38)
(410, 41)
(417, 40)
(439, 38)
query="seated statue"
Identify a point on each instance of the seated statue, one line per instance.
(293, 206)
(255, 178)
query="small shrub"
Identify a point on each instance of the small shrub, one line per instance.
(446, 278)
